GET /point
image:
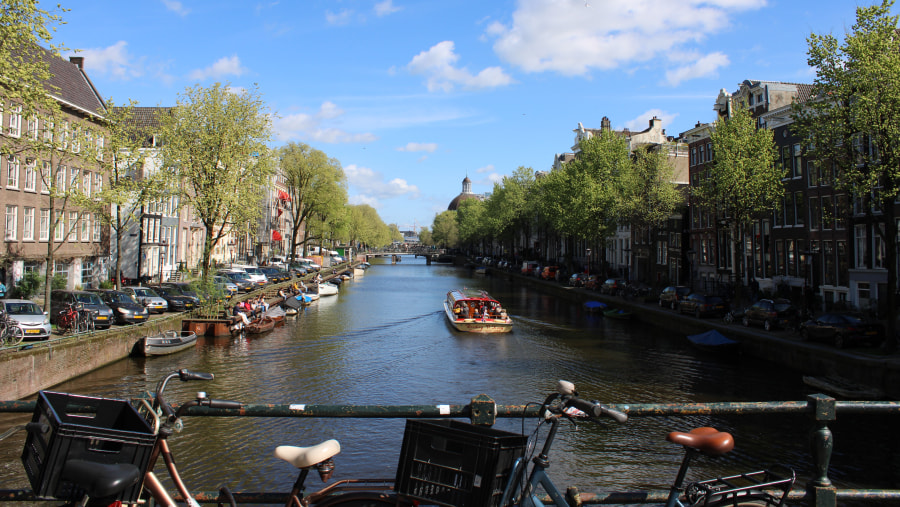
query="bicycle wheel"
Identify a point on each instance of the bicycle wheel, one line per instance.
(15, 336)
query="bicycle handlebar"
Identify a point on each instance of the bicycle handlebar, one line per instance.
(186, 375)
(595, 409)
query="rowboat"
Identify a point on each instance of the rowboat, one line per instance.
(617, 313)
(166, 342)
(596, 306)
(474, 311)
(844, 388)
(260, 325)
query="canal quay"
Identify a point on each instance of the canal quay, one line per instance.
(384, 340)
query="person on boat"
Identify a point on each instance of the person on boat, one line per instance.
(465, 310)
(261, 305)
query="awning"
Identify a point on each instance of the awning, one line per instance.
(276, 236)
(282, 195)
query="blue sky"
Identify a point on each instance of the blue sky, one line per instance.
(412, 96)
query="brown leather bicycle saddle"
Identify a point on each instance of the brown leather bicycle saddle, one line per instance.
(706, 440)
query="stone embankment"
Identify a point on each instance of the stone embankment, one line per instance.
(866, 366)
(40, 365)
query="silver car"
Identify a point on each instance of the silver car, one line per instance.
(34, 321)
(147, 297)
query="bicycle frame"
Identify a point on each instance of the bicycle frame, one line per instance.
(537, 477)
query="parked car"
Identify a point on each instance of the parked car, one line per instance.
(842, 329)
(310, 264)
(613, 286)
(591, 282)
(549, 272)
(186, 289)
(241, 279)
(703, 305)
(125, 309)
(529, 267)
(226, 285)
(34, 321)
(275, 275)
(770, 313)
(60, 299)
(671, 295)
(177, 301)
(256, 276)
(147, 297)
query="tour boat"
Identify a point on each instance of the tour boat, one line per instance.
(166, 342)
(474, 311)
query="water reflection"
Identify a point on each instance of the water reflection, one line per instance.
(384, 340)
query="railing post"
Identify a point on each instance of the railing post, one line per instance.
(484, 410)
(820, 490)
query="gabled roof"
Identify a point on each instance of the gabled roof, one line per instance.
(69, 84)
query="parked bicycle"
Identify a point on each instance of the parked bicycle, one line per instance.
(75, 319)
(11, 334)
(761, 488)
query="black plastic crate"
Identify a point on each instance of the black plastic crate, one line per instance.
(82, 427)
(456, 464)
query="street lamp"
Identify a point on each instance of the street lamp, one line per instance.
(589, 260)
(162, 258)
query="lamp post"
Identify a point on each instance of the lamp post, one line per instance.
(589, 260)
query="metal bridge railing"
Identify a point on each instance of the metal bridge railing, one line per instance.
(822, 409)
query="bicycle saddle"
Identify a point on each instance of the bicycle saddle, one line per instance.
(100, 480)
(303, 457)
(706, 440)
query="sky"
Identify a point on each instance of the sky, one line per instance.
(413, 96)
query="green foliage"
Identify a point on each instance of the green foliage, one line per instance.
(107, 284)
(649, 194)
(445, 230)
(743, 158)
(58, 282)
(29, 285)
(472, 221)
(215, 149)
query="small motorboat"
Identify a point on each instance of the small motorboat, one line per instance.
(617, 313)
(326, 289)
(474, 311)
(843, 388)
(164, 343)
(595, 306)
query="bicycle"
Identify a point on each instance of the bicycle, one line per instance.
(85, 320)
(750, 489)
(67, 319)
(11, 334)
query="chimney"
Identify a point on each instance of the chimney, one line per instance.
(78, 61)
(604, 123)
(654, 122)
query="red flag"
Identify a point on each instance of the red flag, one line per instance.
(276, 236)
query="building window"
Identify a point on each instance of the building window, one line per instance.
(779, 257)
(87, 274)
(86, 183)
(812, 173)
(49, 129)
(12, 172)
(44, 231)
(59, 226)
(827, 212)
(860, 244)
(787, 162)
(73, 224)
(32, 128)
(788, 209)
(15, 120)
(61, 268)
(709, 152)
(100, 148)
(30, 174)
(28, 224)
(800, 217)
(12, 217)
(74, 176)
(878, 249)
(86, 227)
(61, 179)
(814, 213)
(45, 177)
(798, 167)
(97, 223)
(98, 182)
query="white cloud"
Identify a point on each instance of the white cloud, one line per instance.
(225, 66)
(310, 127)
(429, 147)
(113, 61)
(176, 7)
(642, 121)
(573, 39)
(371, 187)
(486, 169)
(706, 66)
(437, 64)
(341, 18)
(386, 7)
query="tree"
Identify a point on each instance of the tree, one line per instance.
(445, 229)
(649, 196)
(510, 208)
(744, 182)
(853, 122)
(317, 187)
(214, 150)
(132, 181)
(425, 237)
(366, 227)
(472, 221)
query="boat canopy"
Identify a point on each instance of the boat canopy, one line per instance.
(469, 295)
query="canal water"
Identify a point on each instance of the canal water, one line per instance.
(384, 340)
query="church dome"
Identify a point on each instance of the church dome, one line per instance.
(465, 194)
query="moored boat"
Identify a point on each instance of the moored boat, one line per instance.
(713, 341)
(596, 306)
(617, 313)
(166, 342)
(474, 311)
(326, 289)
(260, 325)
